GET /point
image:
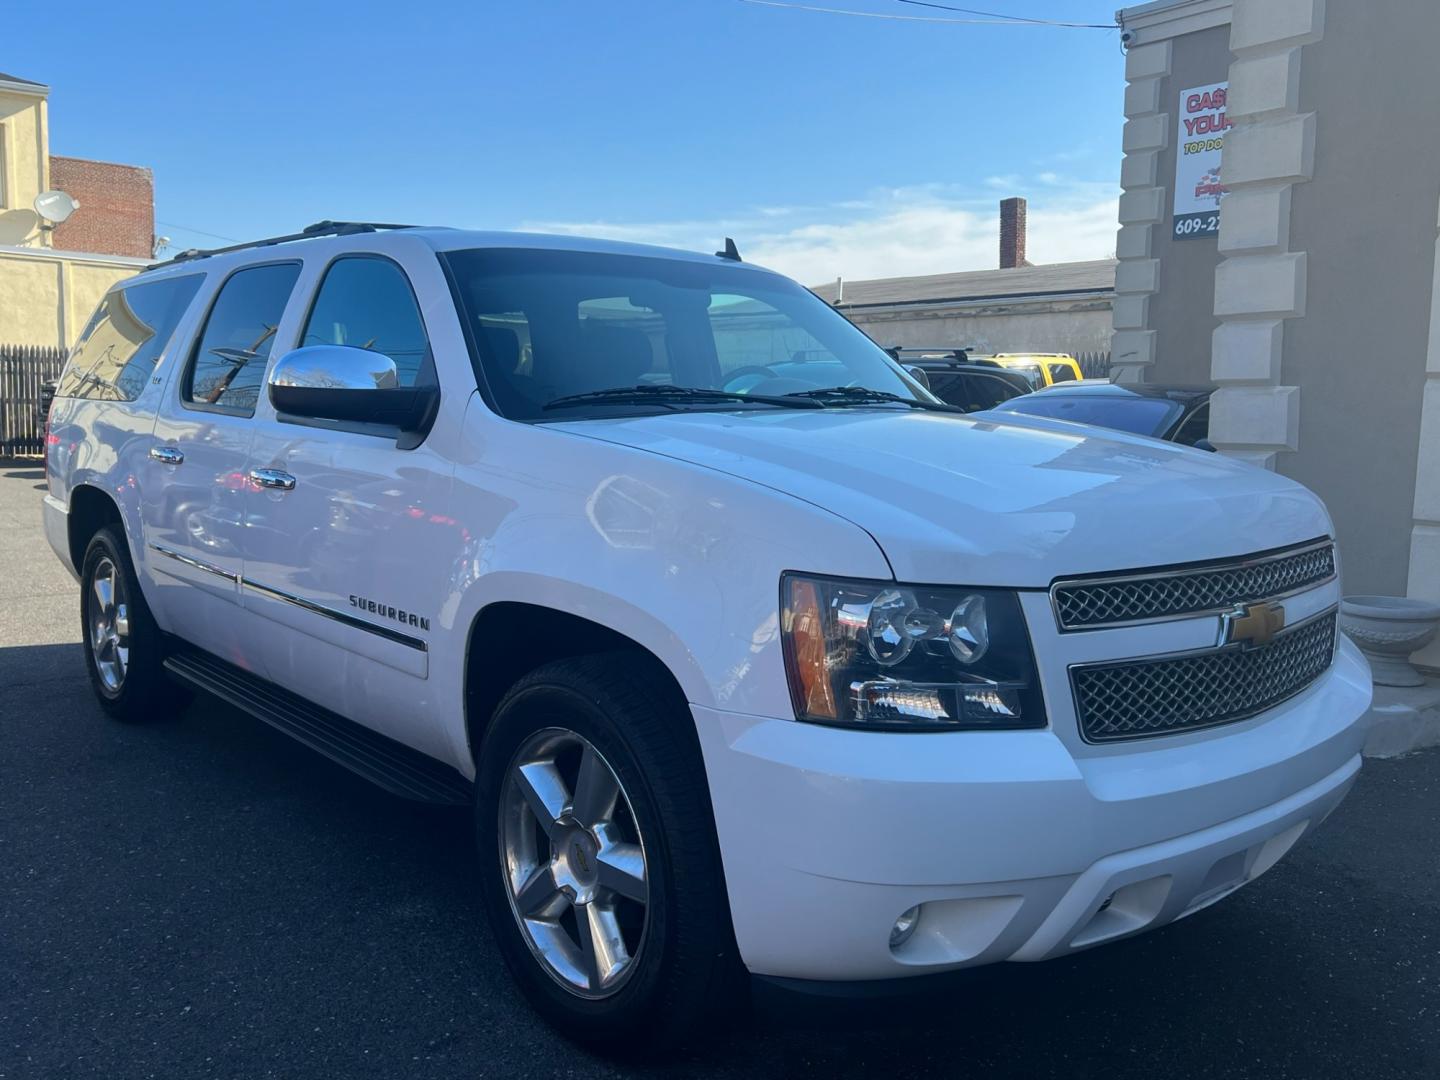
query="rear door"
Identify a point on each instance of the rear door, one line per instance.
(194, 480)
(351, 555)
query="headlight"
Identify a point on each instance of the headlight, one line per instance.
(877, 654)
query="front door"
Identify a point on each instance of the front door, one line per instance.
(194, 481)
(349, 546)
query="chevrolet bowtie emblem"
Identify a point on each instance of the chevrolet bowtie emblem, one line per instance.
(1251, 625)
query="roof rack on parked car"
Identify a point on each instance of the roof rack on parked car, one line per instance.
(320, 228)
(948, 353)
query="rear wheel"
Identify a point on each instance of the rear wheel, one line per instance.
(598, 856)
(124, 650)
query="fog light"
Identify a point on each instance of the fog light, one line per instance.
(904, 927)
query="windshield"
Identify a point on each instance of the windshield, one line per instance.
(551, 325)
(1137, 415)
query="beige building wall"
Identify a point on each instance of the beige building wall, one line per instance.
(1165, 288)
(1072, 325)
(24, 160)
(46, 296)
(1326, 294)
(1366, 221)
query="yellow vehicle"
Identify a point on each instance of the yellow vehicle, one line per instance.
(1042, 368)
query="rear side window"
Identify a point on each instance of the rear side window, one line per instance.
(987, 391)
(1195, 427)
(1061, 373)
(229, 360)
(367, 302)
(971, 391)
(119, 348)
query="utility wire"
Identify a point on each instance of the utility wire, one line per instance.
(1010, 18)
(878, 15)
(992, 20)
(197, 232)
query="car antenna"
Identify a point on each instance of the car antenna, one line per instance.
(731, 252)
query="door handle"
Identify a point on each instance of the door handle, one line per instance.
(167, 455)
(274, 479)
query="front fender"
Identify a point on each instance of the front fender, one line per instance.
(681, 559)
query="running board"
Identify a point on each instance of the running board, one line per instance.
(399, 769)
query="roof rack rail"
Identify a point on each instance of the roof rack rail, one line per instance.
(320, 228)
(938, 352)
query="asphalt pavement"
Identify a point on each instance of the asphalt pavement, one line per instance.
(201, 897)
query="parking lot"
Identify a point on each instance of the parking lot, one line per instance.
(202, 897)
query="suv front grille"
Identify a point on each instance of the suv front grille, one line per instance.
(1112, 601)
(1132, 699)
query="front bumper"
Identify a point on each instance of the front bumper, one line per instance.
(1019, 847)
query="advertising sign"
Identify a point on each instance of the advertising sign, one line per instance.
(1198, 191)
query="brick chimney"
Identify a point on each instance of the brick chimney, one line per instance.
(1012, 233)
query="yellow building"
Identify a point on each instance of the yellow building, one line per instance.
(46, 293)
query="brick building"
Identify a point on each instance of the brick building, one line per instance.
(117, 207)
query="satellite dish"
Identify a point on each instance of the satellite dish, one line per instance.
(55, 206)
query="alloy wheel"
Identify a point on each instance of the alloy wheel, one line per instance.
(109, 625)
(574, 863)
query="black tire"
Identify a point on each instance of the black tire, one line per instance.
(687, 968)
(143, 692)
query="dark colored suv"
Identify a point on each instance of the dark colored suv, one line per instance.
(972, 385)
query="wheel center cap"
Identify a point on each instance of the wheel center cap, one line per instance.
(576, 863)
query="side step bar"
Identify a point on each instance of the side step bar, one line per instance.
(397, 768)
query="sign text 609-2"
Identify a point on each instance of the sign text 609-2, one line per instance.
(1188, 226)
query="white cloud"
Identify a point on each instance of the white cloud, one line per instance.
(926, 229)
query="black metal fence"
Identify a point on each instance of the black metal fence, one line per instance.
(1093, 365)
(27, 376)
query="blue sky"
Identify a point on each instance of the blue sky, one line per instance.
(825, 144)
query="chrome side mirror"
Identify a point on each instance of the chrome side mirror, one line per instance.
(349, 385)
(919, 375)
(334, 367)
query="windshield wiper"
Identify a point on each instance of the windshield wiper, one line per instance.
(863, 395)
(667, 395)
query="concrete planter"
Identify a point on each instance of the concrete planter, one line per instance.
(1388, 629)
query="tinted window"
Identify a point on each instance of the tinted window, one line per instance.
(118, 350)
(368, 303)
(1195, 427)
(1061, 372)
(229, 361)
(1137, 415)
(971, 391)
(548, 324)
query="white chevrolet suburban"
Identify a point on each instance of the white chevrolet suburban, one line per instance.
(749, 654)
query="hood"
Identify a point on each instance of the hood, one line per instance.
(986, 500)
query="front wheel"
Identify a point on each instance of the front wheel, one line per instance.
(598, 856)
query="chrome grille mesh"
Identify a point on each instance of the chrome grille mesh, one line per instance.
(1136, 698)
(1110, 601)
